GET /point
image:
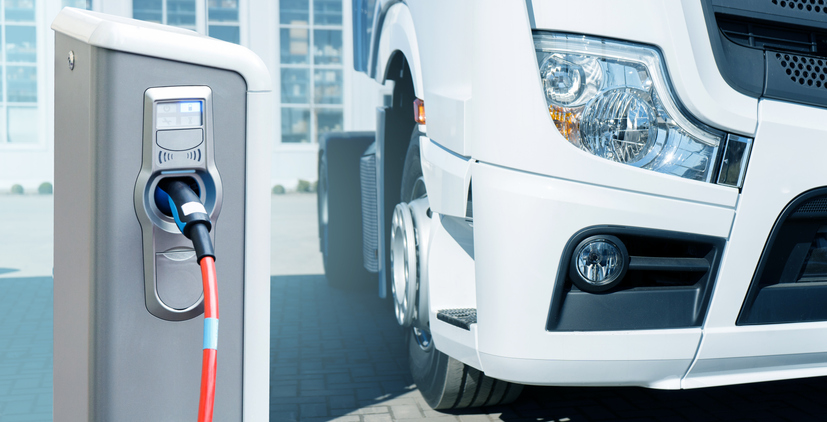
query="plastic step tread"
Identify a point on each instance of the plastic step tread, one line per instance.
(462, 317)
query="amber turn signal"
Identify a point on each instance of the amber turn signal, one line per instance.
(419, 111)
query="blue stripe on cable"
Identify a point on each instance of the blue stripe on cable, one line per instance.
(175, 216)
(211, 333)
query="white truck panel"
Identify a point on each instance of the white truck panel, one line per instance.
(799, 352)
(398, 34)
(661, 373)
(446, 63)
(768, 188)
(756, 353)
(449, 173)
(451, 285)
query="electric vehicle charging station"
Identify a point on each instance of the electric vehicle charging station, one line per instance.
(137, 103)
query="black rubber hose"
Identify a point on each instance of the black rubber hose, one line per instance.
(200, 236)
(190, 215)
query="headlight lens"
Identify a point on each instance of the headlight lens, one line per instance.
(612, 99)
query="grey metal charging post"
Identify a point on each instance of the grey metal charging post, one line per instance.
(135, 103)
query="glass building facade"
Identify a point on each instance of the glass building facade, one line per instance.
(222, 20)
(20, 105)
(311, 65)
(221, 16)
(179, 13)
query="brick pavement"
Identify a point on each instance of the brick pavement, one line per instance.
(25, 349)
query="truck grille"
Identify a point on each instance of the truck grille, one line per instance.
(807, 6)
(804, 70)
(370, 219)
(773, 36)
(771, 48)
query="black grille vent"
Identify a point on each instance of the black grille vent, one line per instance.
(370, 217)
(773, 36)
(771, 48)
(812, 6)
(668, 283)
(789, 283)
(806, 71)
(815, 206)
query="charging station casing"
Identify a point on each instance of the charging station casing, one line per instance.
(115, 358)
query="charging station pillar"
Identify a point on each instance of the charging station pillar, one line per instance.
(135, 103)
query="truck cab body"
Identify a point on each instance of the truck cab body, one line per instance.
(598, 193)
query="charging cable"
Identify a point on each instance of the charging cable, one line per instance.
(192, 219)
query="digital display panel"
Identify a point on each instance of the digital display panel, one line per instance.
(191, 107)
(169, 115)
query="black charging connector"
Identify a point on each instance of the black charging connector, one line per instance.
(189, 214)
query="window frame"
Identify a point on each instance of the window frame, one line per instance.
(42, 103)
(311, 106)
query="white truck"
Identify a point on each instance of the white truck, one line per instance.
(584, 193)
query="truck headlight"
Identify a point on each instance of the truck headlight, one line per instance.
(613, 99)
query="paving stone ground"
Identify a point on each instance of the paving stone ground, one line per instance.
(339, 355)
(25, 349)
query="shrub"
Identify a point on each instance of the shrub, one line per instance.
(304, 186)
(278, 190)
(45, 188)
(17, 189)
(314, 187)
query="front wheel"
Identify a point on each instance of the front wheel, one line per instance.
(444, 382)
(447, 383)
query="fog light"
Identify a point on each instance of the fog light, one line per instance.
(598, 263)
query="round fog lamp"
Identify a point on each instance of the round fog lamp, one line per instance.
(598, 263)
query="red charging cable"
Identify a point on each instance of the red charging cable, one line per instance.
(210, 356)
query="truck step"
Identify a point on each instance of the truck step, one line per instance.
(462, 317)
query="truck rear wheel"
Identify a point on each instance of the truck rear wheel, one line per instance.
(339, 209)
(444, 382)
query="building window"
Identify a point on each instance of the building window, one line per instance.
(80, 4)
(20, 111)
(311, 57)
(223, 20)
(221, 16)
(179, 13)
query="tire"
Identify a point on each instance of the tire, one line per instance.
(445, 382)
(340, 209)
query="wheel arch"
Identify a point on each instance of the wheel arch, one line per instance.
(398, 36)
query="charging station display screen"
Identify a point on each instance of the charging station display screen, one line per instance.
(180, 114)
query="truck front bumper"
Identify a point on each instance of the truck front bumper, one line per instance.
(523, 222)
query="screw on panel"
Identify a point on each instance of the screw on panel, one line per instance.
(71, 60)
